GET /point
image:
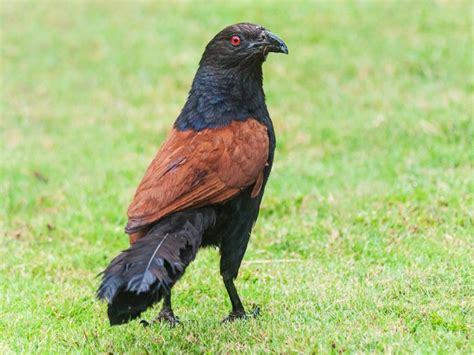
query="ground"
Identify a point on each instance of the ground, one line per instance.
(365, 237)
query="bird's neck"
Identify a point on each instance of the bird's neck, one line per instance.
(217, 97)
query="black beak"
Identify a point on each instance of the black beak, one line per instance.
(273, 43)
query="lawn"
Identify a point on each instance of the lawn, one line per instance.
(365, 239)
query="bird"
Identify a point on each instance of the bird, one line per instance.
(205, 185)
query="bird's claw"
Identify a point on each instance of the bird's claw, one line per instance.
(255, 312)
(240, 314)
(165, 315)
(234, 315)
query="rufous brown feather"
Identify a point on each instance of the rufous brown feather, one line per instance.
(205, 185)
(195, 169)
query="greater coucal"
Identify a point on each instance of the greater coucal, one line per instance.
(205, 185)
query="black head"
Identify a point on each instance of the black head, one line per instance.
(240, 45)
(229, 82)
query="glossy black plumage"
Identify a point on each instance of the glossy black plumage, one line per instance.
(140, 276)
(222, 179)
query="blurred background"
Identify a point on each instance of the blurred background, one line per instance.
(364, 241)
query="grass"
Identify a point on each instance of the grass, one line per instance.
(365, 238)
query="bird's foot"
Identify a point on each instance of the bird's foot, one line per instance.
(234, 315)
(165, 315)
(240, 314)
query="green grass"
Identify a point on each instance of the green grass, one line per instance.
(365, 237)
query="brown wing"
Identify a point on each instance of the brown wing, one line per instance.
(195, 169)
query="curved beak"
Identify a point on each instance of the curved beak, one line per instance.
(273, 43)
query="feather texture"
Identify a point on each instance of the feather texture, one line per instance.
(196, 169)
(206, 183)
(140, 276)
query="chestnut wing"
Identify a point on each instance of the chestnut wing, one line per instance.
(195, 169)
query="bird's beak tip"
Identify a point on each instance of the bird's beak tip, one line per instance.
(276, 43)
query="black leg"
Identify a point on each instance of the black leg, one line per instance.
(232, 248)
(238, 311)
(237, 307)
(167, 301)
(166, 314)
(232, 253)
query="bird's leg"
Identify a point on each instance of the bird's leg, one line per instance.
(166, 314)
(232, 250)
(238, 311)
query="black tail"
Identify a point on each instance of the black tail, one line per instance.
(140, 276)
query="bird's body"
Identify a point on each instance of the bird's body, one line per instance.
(206, 183)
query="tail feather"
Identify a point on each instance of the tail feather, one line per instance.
(140, 276)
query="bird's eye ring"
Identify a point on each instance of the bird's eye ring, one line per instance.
(235, 40)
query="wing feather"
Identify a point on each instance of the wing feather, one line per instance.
(195, 169)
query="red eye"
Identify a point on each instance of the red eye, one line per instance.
(235, 40)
